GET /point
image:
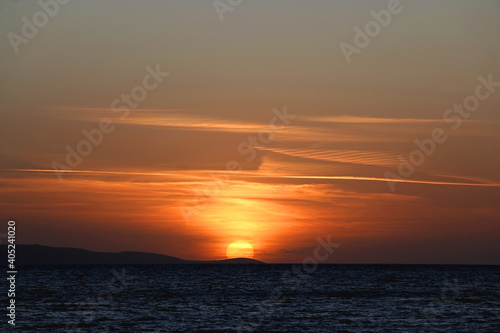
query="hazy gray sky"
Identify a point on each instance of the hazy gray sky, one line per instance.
(353, 120)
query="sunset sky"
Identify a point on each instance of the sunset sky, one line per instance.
(158, 181)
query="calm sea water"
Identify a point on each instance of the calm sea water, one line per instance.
(258, 298)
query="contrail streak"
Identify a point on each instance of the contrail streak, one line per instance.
(376, 179)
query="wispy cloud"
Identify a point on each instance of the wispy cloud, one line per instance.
(366, 120)
(167, 118)
(343, 156)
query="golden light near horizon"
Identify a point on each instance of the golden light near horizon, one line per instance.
(239, 249)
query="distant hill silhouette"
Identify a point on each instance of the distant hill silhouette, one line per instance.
(47, 255)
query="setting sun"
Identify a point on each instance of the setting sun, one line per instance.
(239, 249)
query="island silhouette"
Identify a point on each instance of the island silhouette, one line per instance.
(47, 255)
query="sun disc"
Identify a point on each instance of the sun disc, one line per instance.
(239, 249)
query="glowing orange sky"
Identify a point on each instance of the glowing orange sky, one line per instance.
(159, 180)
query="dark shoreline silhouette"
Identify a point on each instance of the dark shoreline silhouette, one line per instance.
(47, 255)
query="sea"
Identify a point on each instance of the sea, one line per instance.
(257, 298)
